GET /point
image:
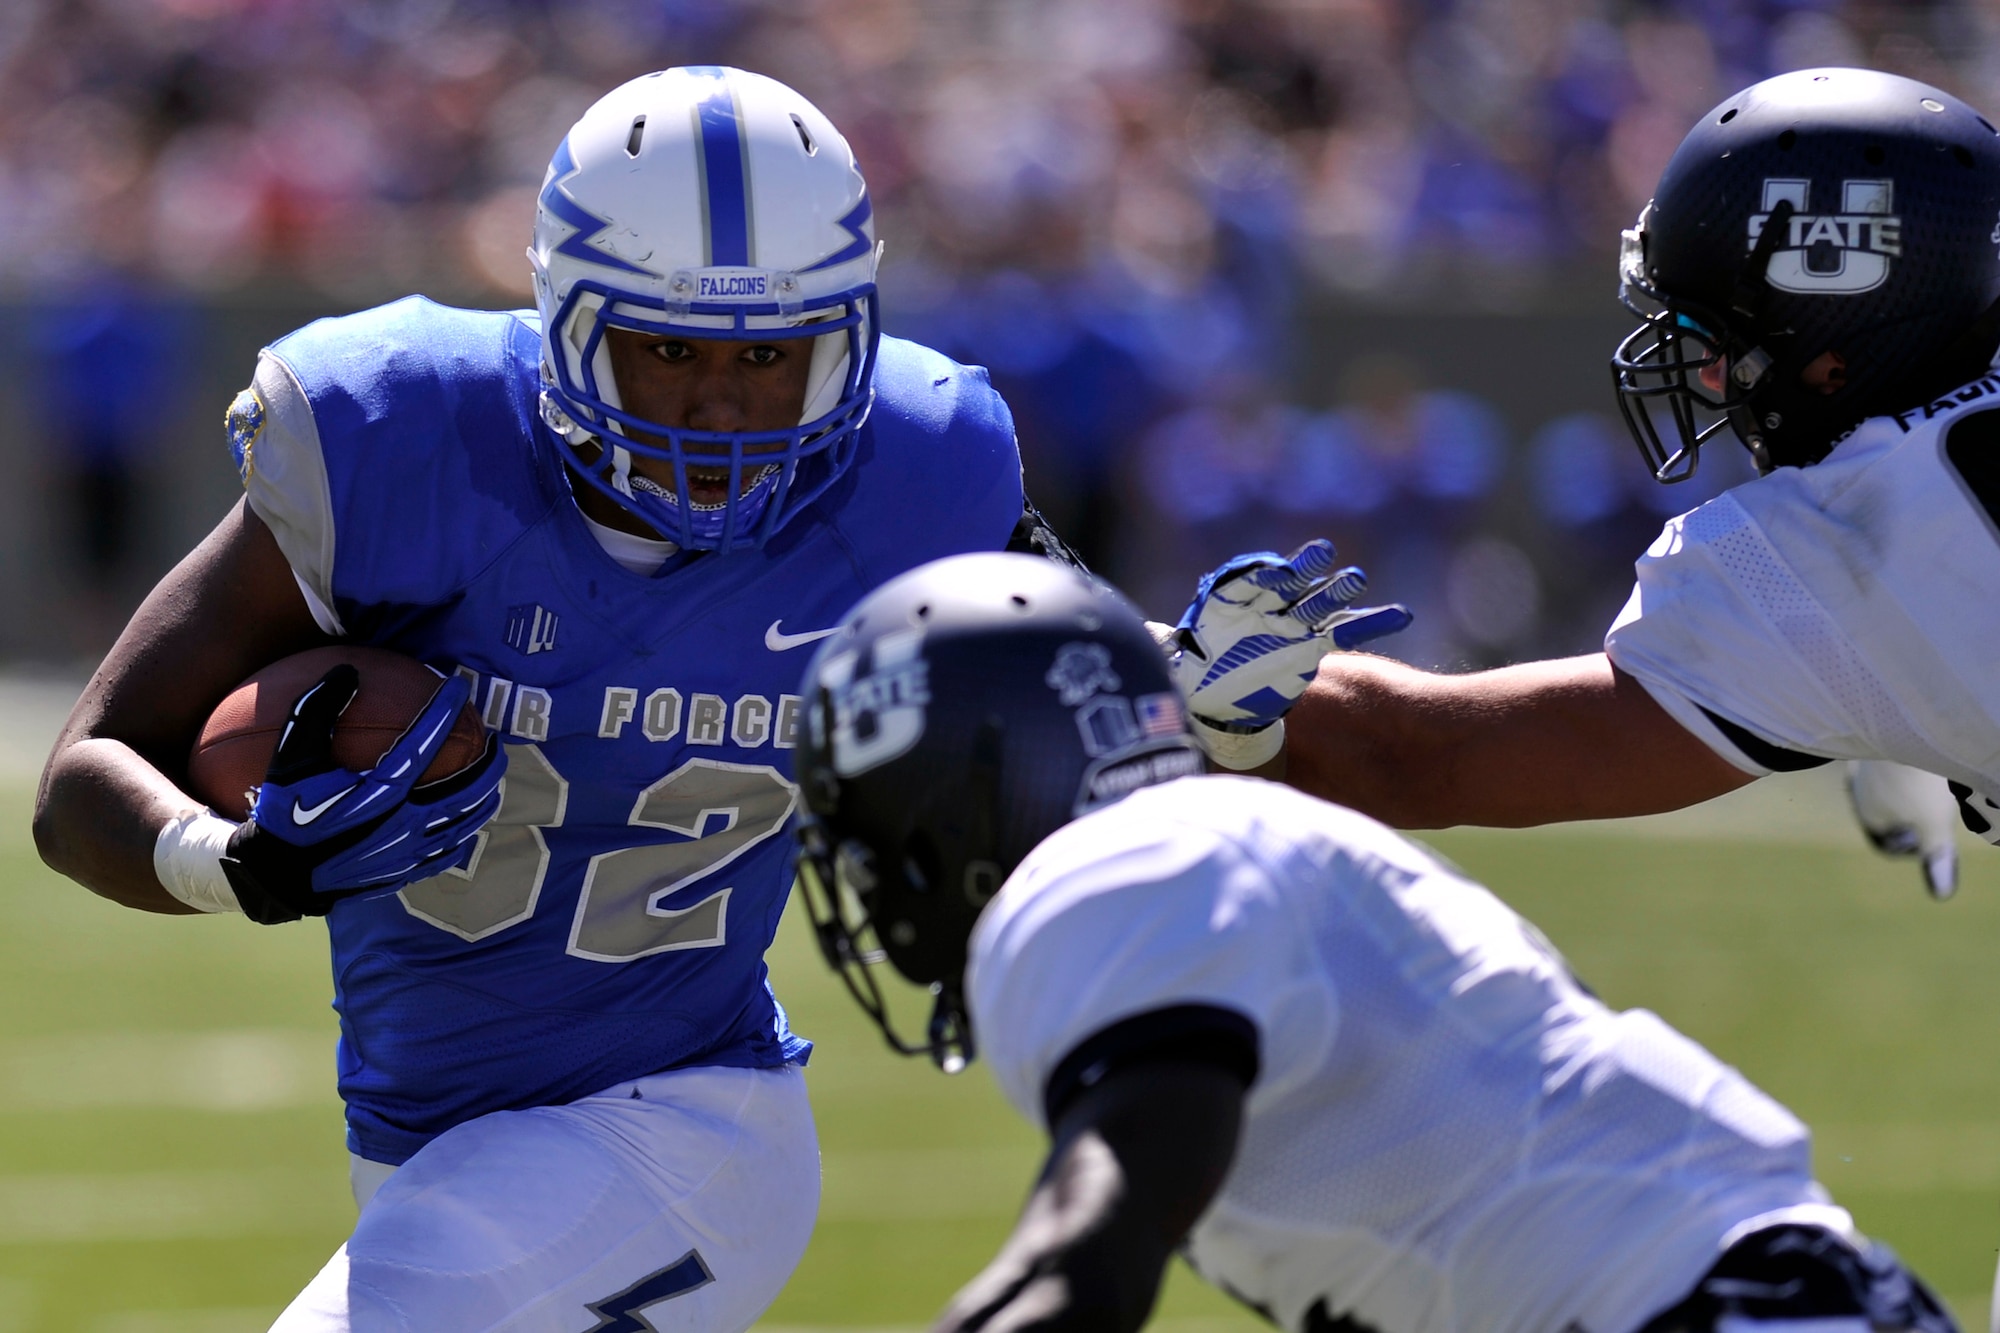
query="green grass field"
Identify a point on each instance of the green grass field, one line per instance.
(170, 1147)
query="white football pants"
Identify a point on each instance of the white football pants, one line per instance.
(679, 1202)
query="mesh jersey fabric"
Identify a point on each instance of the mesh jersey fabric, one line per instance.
(1448, 1133)
(1836, 609)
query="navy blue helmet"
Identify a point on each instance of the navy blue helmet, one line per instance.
(962, 713)
(1826, 211)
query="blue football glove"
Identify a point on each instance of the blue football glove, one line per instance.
(1251, 640)
(319, 832)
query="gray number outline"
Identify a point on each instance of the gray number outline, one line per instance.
(531, 782)
(703, 925)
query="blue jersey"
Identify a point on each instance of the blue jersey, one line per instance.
(614, 917)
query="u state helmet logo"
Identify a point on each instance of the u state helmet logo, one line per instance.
(878, 697)
(1831, 254)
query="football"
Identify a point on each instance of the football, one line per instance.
(236, 743)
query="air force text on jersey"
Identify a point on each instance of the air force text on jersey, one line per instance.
(749, 721)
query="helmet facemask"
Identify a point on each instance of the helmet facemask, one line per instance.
(772, 474)
(1781, 419)
(1657, 369)
(848, 888)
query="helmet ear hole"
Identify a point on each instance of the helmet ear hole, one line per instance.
(982, 881)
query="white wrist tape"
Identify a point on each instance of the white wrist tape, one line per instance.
(1240, 751)
(188, 859)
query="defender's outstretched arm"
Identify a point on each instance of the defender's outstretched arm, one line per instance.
(113, 781)
(1135, 1160)
(1538, 743)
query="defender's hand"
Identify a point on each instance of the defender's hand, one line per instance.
(1251, 640)
(319, 832)
(1908, 812)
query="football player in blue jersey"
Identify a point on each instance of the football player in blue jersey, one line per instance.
(611, 523)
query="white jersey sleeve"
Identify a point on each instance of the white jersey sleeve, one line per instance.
(277, 447)
(1078, 941)
(1837, 611)
(1446, 1132)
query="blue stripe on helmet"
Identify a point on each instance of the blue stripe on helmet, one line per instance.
(726, 182)
(857, 218)
(586, 223)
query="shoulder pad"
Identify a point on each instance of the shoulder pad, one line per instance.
(939, 472)
(423, 419)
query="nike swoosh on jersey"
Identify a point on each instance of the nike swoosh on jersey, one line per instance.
(778, 641)
(307, 814)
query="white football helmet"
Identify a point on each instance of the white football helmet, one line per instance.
(706, 202)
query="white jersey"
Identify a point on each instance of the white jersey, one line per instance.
(1842, 610)
(1446, 1133)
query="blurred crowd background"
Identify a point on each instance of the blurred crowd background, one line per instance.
(1248, 270)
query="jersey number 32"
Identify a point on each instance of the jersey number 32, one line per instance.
(722, 809)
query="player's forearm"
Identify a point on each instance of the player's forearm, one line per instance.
(1538, 743)
(98, 816)
(1070, 1263)
(1121, 1188)
(229, 607)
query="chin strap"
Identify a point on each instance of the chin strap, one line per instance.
(1749, 365)
(950, 1031)
(618, 470)
(621, 468)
